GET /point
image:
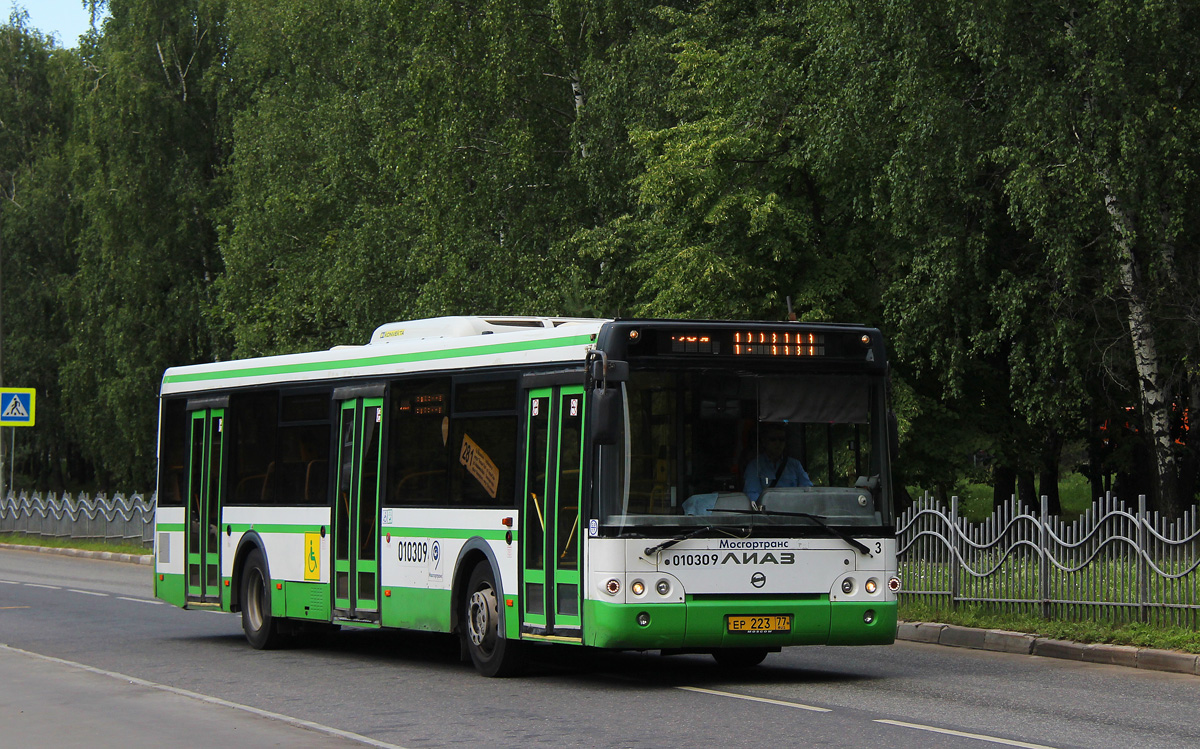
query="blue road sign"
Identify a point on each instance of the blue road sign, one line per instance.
(17, 406)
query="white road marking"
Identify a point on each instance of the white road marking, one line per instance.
(36, 585)
(10, 582)
(964, 734)
(765, 700)
(87, 592)
(140, 600)
(212, 700)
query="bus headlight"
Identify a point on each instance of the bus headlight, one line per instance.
(663, 587)
(871, 586)
(894, 584)
(638, 587)
(868, 616)
(848, 586)
(612, 587)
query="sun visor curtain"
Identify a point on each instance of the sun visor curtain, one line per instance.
(814, 400)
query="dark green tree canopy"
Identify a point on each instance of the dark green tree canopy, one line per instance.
(1008, 190)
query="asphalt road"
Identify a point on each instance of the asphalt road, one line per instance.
(411, 690)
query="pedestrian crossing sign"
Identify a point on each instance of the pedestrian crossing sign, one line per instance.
(17, 407)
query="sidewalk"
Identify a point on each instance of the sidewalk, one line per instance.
(1001, 641)
(112, 556)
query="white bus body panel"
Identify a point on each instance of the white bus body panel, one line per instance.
(753, 566)
(170, 557)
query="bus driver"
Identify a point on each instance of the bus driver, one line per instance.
(772, 466)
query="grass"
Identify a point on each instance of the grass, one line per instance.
(21, 539)
(1135, 634)
(975, 500)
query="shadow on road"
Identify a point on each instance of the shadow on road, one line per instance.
(441, 651)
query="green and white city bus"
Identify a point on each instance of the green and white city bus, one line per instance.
(540, 480)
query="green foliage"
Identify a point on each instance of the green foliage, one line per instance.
(1008, 190)
(145, 149)
(37, 228)
(20, 539)
(1133, 634)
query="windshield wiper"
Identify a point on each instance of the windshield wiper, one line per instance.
(652, 550)
(816, 519)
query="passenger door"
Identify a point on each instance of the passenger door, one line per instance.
(550, 531)
(205, 474)
(356, 513)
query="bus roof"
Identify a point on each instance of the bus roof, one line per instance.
(402, 347)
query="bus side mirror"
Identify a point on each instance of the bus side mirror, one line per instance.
(605, 416)
(606, 372)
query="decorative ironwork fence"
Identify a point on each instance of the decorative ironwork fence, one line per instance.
(99, 518)
(1113, 563)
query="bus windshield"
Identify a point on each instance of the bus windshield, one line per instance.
(716, 447)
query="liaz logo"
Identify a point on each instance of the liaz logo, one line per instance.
(712, 559)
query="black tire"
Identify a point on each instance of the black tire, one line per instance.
(262, 631)
(491, 653)
(739, 657)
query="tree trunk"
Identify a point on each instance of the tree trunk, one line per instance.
(1004, 485)
(1048, 476)
(1153, 385)
(1027, 491)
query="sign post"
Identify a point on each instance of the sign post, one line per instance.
(17, 409)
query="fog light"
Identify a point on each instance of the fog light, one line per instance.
(663, 587)
(871, 586)
(894, 584)
(638, 587)
(612, 587)
(868, 616)
(643, 619)
(847, 586)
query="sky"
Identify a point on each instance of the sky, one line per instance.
(65, 20)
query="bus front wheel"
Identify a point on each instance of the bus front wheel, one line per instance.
(490, 651)
(261, 630)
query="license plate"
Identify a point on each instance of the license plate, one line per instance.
(765, 624)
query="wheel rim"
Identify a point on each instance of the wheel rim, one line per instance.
(482, 614)
(254, 599)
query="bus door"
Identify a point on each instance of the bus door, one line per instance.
(205, 473)
(356, 514)
(550, 531)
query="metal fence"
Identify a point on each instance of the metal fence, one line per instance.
(100, 518)
(1114, 563)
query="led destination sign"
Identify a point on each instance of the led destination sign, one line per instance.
(776, 343)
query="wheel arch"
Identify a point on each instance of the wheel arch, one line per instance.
(474, 552)
(249, 542)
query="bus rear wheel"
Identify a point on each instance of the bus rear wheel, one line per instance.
(491, 653)
(739, 657)
(261, 630)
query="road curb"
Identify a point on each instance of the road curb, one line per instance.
(109, 556)
(1001, 641)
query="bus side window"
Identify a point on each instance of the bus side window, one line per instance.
(418, 443)
(173, 450)
(255, 426)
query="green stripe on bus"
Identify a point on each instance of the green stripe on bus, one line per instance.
(445, 533)
(490, 535)
(275, 528)
(170, 526)
(376, 361)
